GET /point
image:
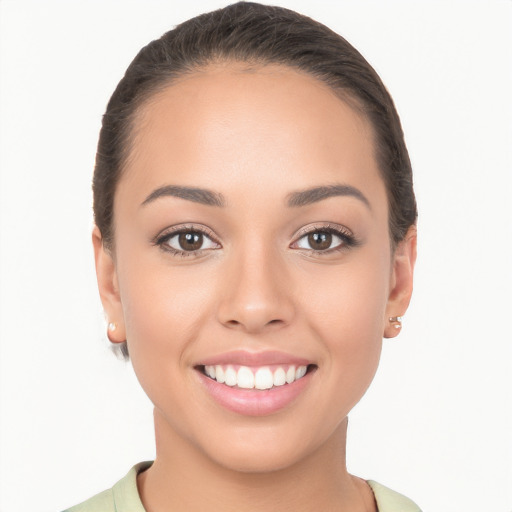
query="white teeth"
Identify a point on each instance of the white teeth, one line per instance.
(219, 374)
(301, 371)
(279, 377)
(263, 379)
(230, 376)
(245, 378)
(290, 375)
(250, 378)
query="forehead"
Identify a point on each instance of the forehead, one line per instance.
(250, 123)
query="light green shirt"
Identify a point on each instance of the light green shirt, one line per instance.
(124, 497)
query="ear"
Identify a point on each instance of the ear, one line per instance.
(109, 289)
(401, 281)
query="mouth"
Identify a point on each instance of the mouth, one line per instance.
(256, 377)
(255, 384)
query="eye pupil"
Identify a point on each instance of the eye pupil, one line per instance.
(320, 240)
(190, 241)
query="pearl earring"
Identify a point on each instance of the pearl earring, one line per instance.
(396, 321)
(112, 326)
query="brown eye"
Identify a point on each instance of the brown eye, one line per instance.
(190, 241)
(324, 240)
(320, 240)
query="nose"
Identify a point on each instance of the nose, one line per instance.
(256, 293)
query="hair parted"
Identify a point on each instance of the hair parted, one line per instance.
(258, 35)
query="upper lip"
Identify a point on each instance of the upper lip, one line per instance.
(246, 358)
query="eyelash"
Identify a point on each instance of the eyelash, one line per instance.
(346, 236)
(163, 239)
(348, 239)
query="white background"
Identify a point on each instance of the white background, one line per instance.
(437, 423)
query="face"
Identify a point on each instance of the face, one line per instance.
(253, 276)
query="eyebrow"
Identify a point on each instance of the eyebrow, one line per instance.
(315, 194)
(197, 195)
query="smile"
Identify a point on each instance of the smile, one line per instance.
(255, 383)
(245, 377)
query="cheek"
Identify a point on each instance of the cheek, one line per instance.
(349, 300)
(163, 306)
(168, 309)
(164, 310)
(346, 314)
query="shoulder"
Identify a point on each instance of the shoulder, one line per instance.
(122, 497)
(102, 502)
(391, 501)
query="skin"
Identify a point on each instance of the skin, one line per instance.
(255, 137)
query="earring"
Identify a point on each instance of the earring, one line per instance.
(396, 321)
(112, 326)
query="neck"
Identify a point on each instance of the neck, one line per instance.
(184, 478)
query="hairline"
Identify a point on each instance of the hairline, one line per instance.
(157, 87)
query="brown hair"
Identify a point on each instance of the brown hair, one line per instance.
(256, 34)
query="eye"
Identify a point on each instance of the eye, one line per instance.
(186, 241)
(324, 239)
(319, 241)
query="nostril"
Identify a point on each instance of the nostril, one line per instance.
(253, 317)
(236, 323)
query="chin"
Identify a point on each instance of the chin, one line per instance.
(257, 461)
(263, 450)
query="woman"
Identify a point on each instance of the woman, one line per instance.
(255, 239)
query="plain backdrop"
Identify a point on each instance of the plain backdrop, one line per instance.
(437, 422)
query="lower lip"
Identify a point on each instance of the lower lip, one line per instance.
(255, 402)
